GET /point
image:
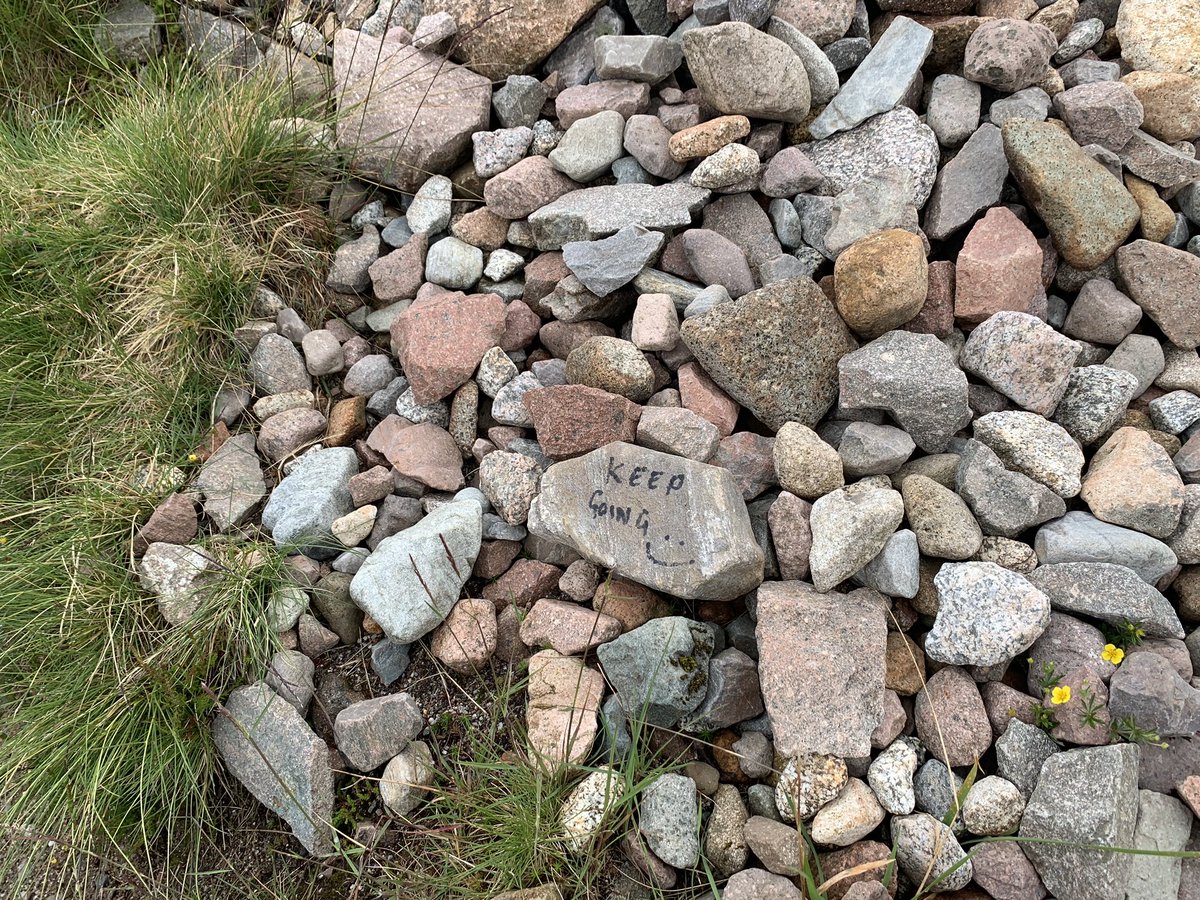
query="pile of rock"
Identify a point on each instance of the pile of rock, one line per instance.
(818, 385)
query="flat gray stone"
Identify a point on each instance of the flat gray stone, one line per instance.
(1020, 753)
(968, 184)
(1084, 797)
(668, 817)
(658, 669)
(823, 81)
(277, 367)
(266, 744)
(880, 81)
(895, 139)
(592, 213)
(302, 508)
(925, 848)
(1110, 593)
(231, 482)
(1030, 444)
(821, 665)
(1095, 399)
(850, 527)
(743, 71)
(873, 204)
(913, 378)
(590, 146)
(1163, 825)
(371, 732)
(1079, 537)
(605, 265)
(412, 580)
(636, 57)
(672, 524)
(953, 111)
(896, 569)
(1005, 503)
(986, 615)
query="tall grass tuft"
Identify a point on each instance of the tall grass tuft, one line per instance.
(131, 241)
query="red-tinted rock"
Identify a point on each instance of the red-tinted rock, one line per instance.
(571, 419)
(937, 315)
(567, 627)
(542, 275)
(999, 267)
(631, 603)
(495, 557)
(383, 437)
(750, 458)
(439, 342)
(700, 394)
(525, 187)
(398, 276)
(429, 455)
(560, 338)
(521, 326)
(528, 580)
(951, 720)
(173, 522)
(626, 97)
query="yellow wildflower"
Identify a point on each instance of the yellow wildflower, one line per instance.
(1112, 654)
(3, 541)
(193, 457)
(1060, 695)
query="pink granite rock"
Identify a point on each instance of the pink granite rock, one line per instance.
(569, 628)
(700, 394)
(525, 187)
(428, 454)
(998, 268)
(439, 342)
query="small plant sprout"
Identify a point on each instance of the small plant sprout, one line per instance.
(1089, 707)
(1123, 635)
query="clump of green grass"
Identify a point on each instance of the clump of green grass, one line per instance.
(131, 241)
(493, 822)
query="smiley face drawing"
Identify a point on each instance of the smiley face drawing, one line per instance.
(666, 551)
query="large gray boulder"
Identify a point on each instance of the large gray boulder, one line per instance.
(303, 507)
(267, 746)
(414, 578)
(672, 524)
(1084, 798)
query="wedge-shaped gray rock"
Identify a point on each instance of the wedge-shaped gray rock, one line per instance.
(1080, 537)
(742, 71)
(1110, 593)
(659, 670)
(231, 482)
(968, 184)
(605, 265)
(821, 666)
(850, 527)
(913, 378)
(270, 749)
(302, 508)
(880, 81)
(672, 524)
(986, 615)
(1084, 798)
(593, 213)
(413, 579)
(404, 113)
(1005, 502)
(775, 351)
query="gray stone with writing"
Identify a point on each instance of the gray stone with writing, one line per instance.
(672, 524)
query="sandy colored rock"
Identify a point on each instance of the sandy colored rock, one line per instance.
(880, 282)
(564, 696)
